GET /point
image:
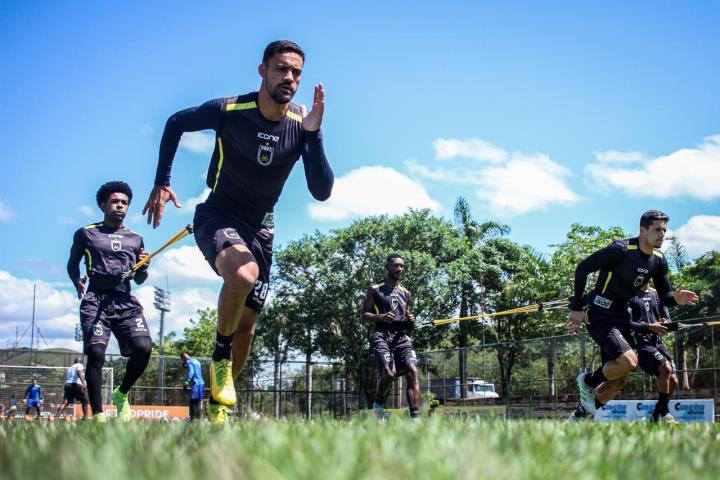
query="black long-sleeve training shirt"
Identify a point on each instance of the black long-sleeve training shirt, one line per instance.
(645, 308)
(624, 268)
(253, 156)
(109, 252)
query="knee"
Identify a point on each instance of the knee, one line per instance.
(141, 346)
(411, 374)
(388, 371)
(241, 280)
(96, 353)
(665, 370)
(628, 361)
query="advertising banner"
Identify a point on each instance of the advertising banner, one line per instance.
(684, 411)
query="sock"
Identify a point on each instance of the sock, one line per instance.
(661, 407)
(212, 401)
(414, 412)
(598, 404)
(223, 347)
(595, 378)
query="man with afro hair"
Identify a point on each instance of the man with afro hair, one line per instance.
(110, 249)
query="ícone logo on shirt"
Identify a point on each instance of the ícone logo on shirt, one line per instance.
(639, 280)
(394, 301)
(265, 155)
(98, 330)
(115, 245)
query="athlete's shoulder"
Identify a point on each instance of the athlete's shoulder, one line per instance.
(241, 103)
(377, 286)
(92, 226)
(294, 113)
(404, 290)
(126, 231)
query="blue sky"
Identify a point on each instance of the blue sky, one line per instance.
(540, 113)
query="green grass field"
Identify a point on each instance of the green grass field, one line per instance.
(326, 449)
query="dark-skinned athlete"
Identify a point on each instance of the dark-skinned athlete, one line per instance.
(110, 250)
(649, 318)
(259, 137)
(624, 266)
(387, 307)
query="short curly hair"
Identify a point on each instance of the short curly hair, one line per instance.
(109, 188)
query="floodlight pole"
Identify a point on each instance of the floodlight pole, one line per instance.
(162, 304)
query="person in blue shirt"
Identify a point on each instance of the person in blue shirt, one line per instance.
(34, 397)
(195, 383)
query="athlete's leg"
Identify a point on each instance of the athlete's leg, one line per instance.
(413, 389)
(386, 376)
(664, 385)
(140, 350)
(237, 266)
(93, 375)
(242, 340)
(609, 390)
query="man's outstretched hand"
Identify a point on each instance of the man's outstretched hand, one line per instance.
(155, 206)
(313, 119)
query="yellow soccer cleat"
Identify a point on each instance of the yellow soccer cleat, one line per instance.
(222, 386)
(218, 413)
(120, 399)
(100, 418)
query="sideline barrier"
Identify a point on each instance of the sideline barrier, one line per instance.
(684, 411)
(145, 412)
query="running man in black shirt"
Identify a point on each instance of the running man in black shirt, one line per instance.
(387, 306)
(110, 250)
(647, 323)
(624, 265)
(259, 137)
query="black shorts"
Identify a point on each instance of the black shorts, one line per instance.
(75, 391)
(652, 357)
(217, 228)
(611, 336)
(116, 312)
(393, 348)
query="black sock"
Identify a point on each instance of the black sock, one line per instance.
(414, 412)
(223, 347)
(661, 407)
(598, 404)
(595, 378)
(93, 375)
(212, 401)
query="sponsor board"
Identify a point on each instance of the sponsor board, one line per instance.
(473, 412)
(684, 411)
(145, 412)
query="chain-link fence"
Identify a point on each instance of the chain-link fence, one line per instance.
(533, 378)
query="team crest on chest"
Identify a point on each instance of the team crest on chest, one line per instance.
(115, 245)
(265, 155)
(394, 301)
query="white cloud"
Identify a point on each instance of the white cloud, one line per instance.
(372, 191)
(185, 266)
(55, 311)
(513, 184)
(613, 156)
(524, 184)
(198, 142)
(89, 211)
(185, 302)
(473, 148)
(700, 234)
(7, 214)
(692, 172)
(188, 206)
